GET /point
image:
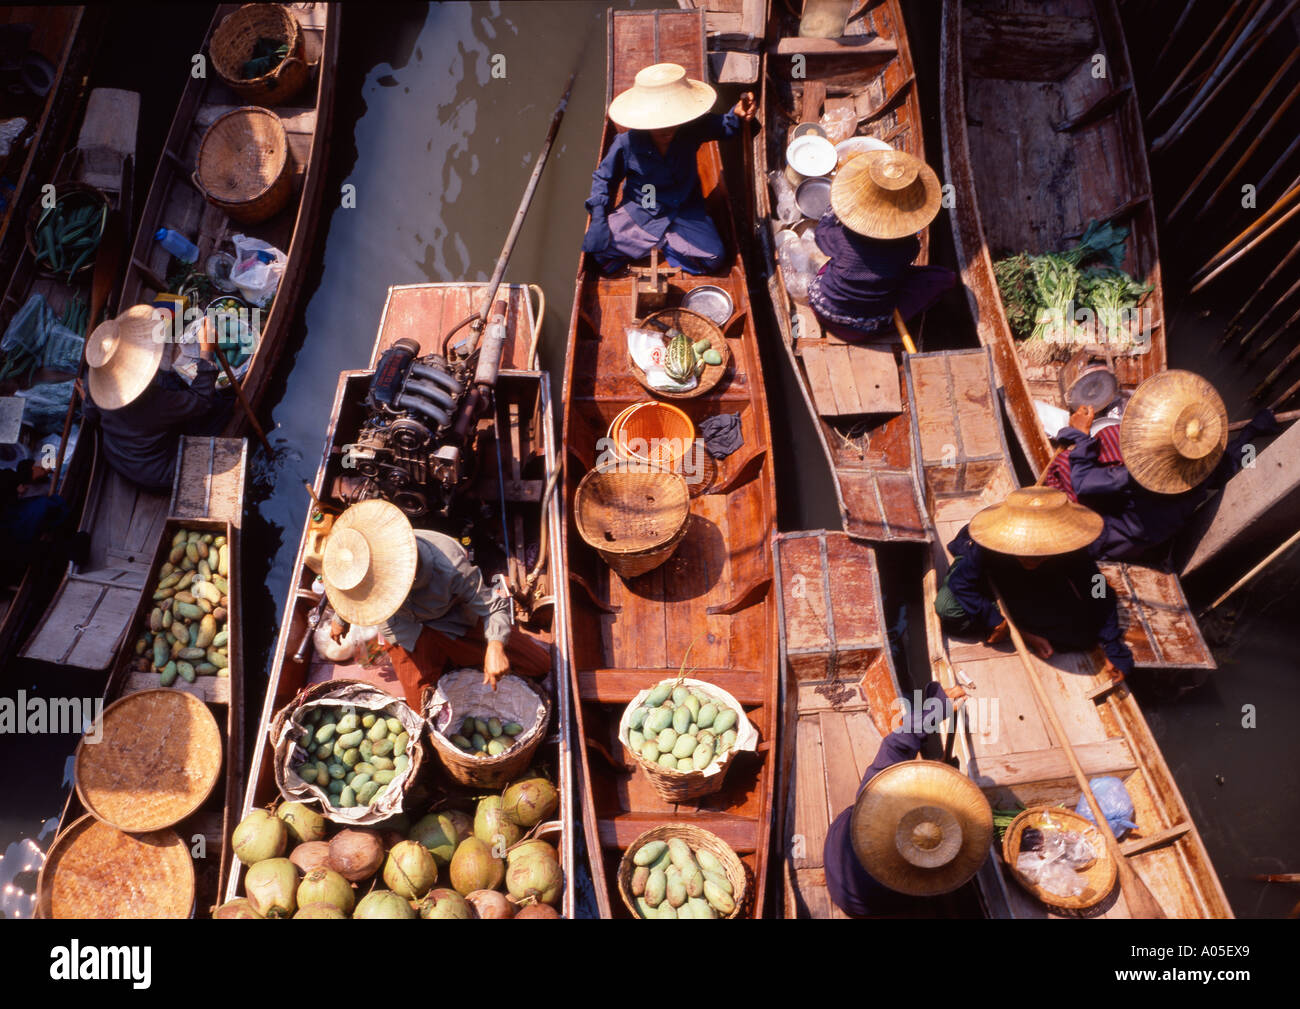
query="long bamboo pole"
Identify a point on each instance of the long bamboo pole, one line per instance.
(1253, 243)
(1290, 541)
(1265, 344)
(1283, 365)
(1196, 57)
(1233, 326)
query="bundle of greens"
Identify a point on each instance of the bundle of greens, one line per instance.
(266, 56)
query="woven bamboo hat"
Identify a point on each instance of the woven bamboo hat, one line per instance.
(886, 194)
(369, 562)
(921, 828)
(662, 96)
(123, 357)
(1174, 432)
(1035, 522)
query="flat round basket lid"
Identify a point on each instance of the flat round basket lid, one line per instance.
(96, 871)
(158, 760)
(242, 154)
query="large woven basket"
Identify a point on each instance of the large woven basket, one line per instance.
(697, 327)
(244, 167)
(1099, 876)
(96, 871)
(633, 516)
(158, 760)
(462, 693)
(696, 837)
(232, 45)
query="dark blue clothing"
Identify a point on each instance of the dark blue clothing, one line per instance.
(1139, 523)
(23, 521)
(1055, 600)
(671, 215)
(851, 887)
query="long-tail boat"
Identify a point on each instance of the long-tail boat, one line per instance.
(85, 623)
(715, 595)
(854, 391)
(1041, 135)
(511, 456)
(1006, 745)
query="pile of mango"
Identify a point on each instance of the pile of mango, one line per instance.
(486, 737)
(681, 729)
(188, 632)
(673, 881)
(353, 754)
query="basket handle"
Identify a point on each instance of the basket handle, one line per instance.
(275, 74)
(194, 179)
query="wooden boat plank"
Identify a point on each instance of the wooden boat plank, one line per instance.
(620, 685)
(1106, 756)
(427, 311)
(855, 577)
(841, 770)
(208, 689)
(741, 833)
(865, 738)
(874, 377)
(811, 812)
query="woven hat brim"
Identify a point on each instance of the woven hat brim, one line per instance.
(393, 559)
(634, 109)
(863, 209)
(127, 374)
(1026, 533)
(1144, 430)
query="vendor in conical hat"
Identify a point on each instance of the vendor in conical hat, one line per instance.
(1034, 547)
(917, 830)
(142, 406)
(666, 116)
(1147, 475)
(433, 607)
(880, 200)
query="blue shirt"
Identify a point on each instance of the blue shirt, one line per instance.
(864, 275)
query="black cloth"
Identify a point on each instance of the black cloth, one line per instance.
(721, 434)
(11, 480)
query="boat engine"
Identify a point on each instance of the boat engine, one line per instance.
(415, 446)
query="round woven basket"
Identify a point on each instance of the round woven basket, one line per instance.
(462, 693)
(652, 433)
(96, 871)
(158, 760)
(244, 167)
(1098, 876)
(696, 327)
(232, 46)
(75, 192)
(696, 838)
(634, 518)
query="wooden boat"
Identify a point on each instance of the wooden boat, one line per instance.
(426, 313)
(734, 31)
(85, 623)
(854, 392)
(714, 596)
(1006, 745)
(208, 493)
(1025, 112)
(174, 201)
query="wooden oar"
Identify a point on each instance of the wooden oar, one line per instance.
(1141, 902)
(1288, 198)
(239, 394)
(901, 326)
(108, 261)
(1287, 545)
(1281, 418)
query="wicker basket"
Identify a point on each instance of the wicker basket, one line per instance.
(462, 692)
(96, 871)
(683, 786)
(634, 517)
(1099, 875)
(232, 45)
(697, 327)
(156, 763)
(696, 837)
(244, 167)
(65, 190)
(661, 429)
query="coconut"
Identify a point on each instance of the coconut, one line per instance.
(356, 854)
(531, 845)
(443, 903)
(240, 907)
(259, 836)
(410, 870)
(325, 886)
(490, 904)
(492, 826)
(529, 801)
(535, 874)
(539, 911)
(474, 867)
(440, 833)
(311, 855)
(319, 911)
(302, 822)
(382, 904)
(270, 886)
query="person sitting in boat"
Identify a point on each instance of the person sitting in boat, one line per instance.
(879, 201)
(142, 406)
(1033, 547)
(918, 829)
(665, 115)
(431, 604)
(25, 518)
(1148, 474)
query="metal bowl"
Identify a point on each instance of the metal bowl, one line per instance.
(813, 197)
(811, 156)
(712, 302)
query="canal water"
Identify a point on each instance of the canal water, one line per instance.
(437, 151)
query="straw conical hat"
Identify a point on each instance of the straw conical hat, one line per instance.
(1035, 522)
(662, 96)
(123, 356)
(886, 194)
(369, 562)
(921, 828)
(1174, 432)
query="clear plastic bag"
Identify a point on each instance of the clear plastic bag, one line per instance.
(839, 124)
(258, 269)
(796, 266)
(787, 211)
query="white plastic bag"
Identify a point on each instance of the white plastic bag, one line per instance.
(257, 270)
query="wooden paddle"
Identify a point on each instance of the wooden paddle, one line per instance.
(1141, 902)
(108, 262)
(239, 394)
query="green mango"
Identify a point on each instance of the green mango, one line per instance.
(644, 909)
(636, 740)
(676, 893)
(649, 852)
(394, 726)
(719, 898)
(656, 888)
(700, 908)
(717, 879)
(658, 695)
(650, 750)
(658, 720)
(681, 719)
(368, 791)
(377, 731)
(684, 747)
(667, 740)
(665, 910)
(692, 704)
(352, 738)
(702, 755)
(634, 720)
(347, 797)
(668, 761)
(349, 723)
(725, 720)
(680, 694)
(708, 713)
